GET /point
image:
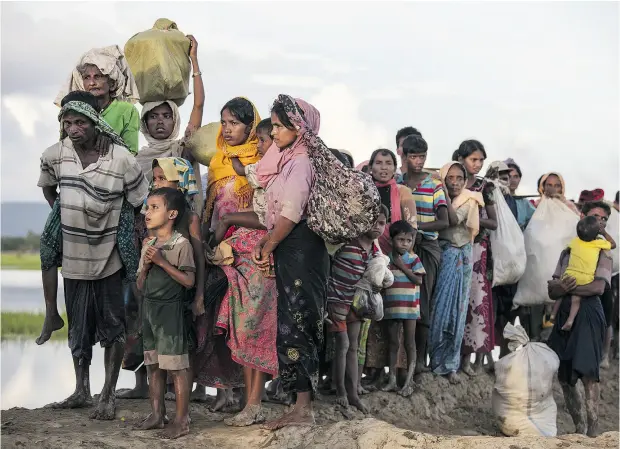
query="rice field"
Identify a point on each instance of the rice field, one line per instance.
(27, 325)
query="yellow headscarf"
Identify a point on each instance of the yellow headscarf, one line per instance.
(221, 170)
(473, 217)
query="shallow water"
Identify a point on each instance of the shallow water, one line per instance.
(32, 375)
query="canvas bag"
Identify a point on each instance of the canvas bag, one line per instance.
(507, 243)
(159, 61)
(522, 398)
(550, 230)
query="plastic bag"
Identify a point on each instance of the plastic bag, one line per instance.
(159, 61)
(613, 228)
(507, 243)
(366, 303)
(522, 398)
(550, 230)
(378, 273)
(202, 144)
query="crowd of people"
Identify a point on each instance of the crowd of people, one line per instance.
(255, 281)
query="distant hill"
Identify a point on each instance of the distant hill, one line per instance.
(19, 218)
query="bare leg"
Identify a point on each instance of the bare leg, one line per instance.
(81, 396)
(478, 361)
(300, 414)
(252, 413)
(556, 309)
(573, 404)
(53, 321)
(351, 377)
(607, 347)
(421, 339)
(360, 390)
(410, 348)
(140, 391)
(394, 326)
(106, 408)
(592, 391)
(180, 426)
(491, 363)
(340, 366)
(199, 394)
(575, 302)
(157, 381)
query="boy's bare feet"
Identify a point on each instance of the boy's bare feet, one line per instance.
(467, 369)
(223, 400)
(297, 416)
(391, 385)
(358, 404)
(152, 422)
(420, 368)
(178, 428)
(342, 401)
(361, 390)
(53, 322)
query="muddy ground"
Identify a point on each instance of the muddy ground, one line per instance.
(439, 415)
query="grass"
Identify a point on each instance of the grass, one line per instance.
(20, 261)
(25, 324)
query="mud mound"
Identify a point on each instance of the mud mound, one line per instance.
(439, 415)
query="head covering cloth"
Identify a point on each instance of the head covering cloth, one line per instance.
(89, 112)
(112, 63)
(466, 196)
(221, 170)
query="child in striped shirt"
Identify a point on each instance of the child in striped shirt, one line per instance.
(401, 302)
(348, 267)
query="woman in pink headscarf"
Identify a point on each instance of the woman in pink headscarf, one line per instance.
(301, 259)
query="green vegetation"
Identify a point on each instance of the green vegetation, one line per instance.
(28, 244)
(25, 324)
(20, 261)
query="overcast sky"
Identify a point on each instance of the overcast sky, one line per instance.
(534, 81)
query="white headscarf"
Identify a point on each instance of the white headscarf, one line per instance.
(111, 62)
(157, 148)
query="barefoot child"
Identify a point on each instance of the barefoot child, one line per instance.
(166, 273)
(402, 301)
(584, 255)
(348, 267)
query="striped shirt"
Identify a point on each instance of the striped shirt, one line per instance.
(90, 206)
(429, 197)
(402, 299)
(348, 267)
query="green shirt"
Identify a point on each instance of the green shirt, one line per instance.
(124, 118)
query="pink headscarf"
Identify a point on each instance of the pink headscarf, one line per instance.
(274, 160)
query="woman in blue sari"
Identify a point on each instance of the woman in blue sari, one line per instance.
(451, 296)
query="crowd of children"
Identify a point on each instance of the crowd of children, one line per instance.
(234, 286)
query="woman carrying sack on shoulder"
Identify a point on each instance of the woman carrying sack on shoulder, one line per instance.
(305, 186)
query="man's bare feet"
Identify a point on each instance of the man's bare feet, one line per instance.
(567, 326)
(453, 378)
(78, 399)
(408, 389)
(342, 401)
(297, 416)
(251, 414)
(152, 422)
(391, 385)
(134, 393)
(355, 401)
(106, 408)
(178, 428)
(52, 322)
(361, 390)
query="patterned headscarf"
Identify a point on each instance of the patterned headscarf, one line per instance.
(180, 170)
(87, 110)
(343, 203)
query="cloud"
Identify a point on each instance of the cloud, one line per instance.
(287, 80)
